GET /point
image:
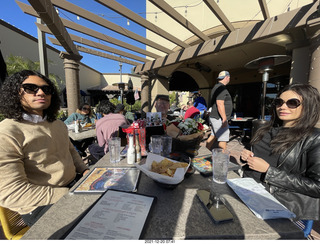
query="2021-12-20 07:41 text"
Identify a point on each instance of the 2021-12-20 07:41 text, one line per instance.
(159, 241)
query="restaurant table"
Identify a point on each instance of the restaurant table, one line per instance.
(84, 134)
(177, 213)
(244, 123)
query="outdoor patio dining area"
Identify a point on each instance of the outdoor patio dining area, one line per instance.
(65, 211)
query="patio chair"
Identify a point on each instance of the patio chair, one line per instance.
(12, 224)
(306, 226)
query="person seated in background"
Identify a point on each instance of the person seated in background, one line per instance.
(38, 163)
(191, 111)
(162, 105)
(85, 115)
(120, 109)
(106, 128)
(200, 103)
(98, 113)
(285, 153)
(174, 107)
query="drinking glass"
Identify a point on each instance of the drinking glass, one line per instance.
(114, 149)
(220, 161)
(156, 144)
(166, 142)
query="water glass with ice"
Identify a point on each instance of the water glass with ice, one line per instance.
(166, 142)
(114, 149)
(220, 161)
(156, 144)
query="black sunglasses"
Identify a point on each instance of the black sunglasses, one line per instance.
(85, 108)
(33, 89)
(291, 103)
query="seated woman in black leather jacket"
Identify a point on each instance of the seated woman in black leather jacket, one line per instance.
(285, 153)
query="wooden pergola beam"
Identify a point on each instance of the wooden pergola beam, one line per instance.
(49, 16)
(105, 55)
(122, 10)
(161, 4)
(92, 44)
(213, 6)
(72, 8)
(264, 9)
(85, 30)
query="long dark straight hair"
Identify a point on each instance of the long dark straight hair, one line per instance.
(302, 127)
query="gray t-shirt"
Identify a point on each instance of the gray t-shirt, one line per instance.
(220, 92)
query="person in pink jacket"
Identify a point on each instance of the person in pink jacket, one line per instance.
(106, 127)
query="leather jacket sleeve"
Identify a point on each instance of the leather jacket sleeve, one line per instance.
(299, 169)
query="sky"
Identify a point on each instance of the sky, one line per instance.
(11, 13)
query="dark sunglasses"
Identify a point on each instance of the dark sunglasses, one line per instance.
(291, 103)
(33, 89)
(84, 108)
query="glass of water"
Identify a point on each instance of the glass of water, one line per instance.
(156, 144)
(166, 142)
(220, 161)
(114, 149)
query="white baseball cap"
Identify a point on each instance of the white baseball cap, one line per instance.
(223, 74)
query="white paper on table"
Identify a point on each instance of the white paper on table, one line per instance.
(146, 168)
(258, 199)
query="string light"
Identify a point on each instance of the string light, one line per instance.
(156, 17)
(128, 22)
(186, 11)
(78, 18)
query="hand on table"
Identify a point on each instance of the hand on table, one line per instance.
(255, 163)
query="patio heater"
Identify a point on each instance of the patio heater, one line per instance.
(120, 85)
(264, 66)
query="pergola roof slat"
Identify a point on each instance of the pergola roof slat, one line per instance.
(106, 55)
(100, 46)
(264, 9)
(213, 6)
(50, 17)
(106, 38)
(74, 26)
(117, 7)
(179, 18)
(72, 8)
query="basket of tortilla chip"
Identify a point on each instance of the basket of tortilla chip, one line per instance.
(163, 170)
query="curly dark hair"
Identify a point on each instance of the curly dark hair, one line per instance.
(303, 126)
(106, 107)
(10, 105)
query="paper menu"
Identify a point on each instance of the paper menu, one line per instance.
(258, 199)
(116, 216)
(99, 179)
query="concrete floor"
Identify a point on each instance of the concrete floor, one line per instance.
(235, 146)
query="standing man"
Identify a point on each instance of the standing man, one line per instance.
(221, 110)
(38, 163)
